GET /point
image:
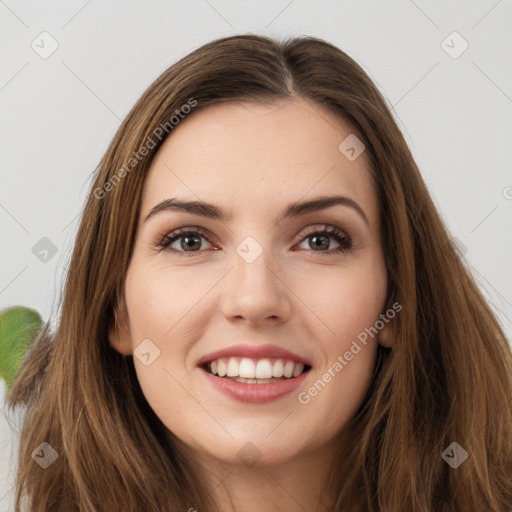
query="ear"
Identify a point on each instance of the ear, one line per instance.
(385, 336)
(119, 332)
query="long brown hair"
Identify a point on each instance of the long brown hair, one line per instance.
(448, 377)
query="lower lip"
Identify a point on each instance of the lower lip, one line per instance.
(255, 393)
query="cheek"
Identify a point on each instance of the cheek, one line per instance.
(163, 307)
(344, 302)
(337, 391)
(161, 301)
(347, 303)
(160, 306)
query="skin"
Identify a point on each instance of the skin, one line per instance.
(254, 160)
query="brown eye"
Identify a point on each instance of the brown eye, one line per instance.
(189, 241)
(319, 240)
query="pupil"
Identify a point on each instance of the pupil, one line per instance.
(188, 242)
(324, 245)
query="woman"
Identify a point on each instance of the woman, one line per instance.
(264, 310)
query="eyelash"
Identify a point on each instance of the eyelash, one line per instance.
(340, 237)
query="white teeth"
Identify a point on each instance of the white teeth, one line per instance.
(233, 367)
(255, 370)
(255, 381)
(247, 369)
(288, 369)
(264, 369)
(278, 369)
(298, 369)
(221, 368)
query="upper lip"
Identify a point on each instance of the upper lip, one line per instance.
(254, 352)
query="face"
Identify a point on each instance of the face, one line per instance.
(252, 287)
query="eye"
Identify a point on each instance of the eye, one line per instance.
(189, 240)
(319, 239)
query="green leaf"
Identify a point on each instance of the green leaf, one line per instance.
(18, 327)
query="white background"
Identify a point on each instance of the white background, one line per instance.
(59, 113)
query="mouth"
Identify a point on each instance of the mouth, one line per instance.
(255, 374)
(255, 371)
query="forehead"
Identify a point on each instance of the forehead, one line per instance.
(248, 157)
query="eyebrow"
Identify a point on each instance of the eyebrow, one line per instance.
(293, 210)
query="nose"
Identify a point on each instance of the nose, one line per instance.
(256, 292)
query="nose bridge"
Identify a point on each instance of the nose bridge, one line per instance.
(255, 291)
(253, 266)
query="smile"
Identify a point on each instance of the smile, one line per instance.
(255, 371)
(255, 374)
